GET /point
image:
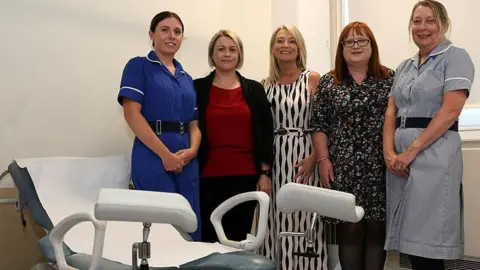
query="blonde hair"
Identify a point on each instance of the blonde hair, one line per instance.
(236, 39)
(274, 70)
(439, 12)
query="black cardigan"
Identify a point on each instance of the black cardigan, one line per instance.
(256, 99)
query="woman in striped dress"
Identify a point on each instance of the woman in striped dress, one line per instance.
(290, 88)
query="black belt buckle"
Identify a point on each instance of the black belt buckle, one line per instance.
(158, 127)
(282, 131)
(182, 130)
(403, 121)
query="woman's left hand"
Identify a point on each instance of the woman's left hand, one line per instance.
(404, 160)
(187, 155)
(306, 169)
(264, 184)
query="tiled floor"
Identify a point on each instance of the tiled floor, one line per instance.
(392, 261)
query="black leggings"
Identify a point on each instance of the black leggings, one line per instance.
(237, 222)
(361, 245)
(420, 263)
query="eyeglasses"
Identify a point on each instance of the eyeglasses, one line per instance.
(351, 43)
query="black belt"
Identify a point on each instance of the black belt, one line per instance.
(419, 122)
(285, 131)
(169, 126)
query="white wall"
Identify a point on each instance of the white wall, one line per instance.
(61, 62)
(312, 18)
(389, 22)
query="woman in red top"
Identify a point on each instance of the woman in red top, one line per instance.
(236, 152)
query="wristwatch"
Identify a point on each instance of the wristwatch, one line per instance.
(267, 172)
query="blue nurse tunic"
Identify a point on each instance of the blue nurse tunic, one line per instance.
(425, 211)
(167, 97)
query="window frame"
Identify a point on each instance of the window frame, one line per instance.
(470, 127)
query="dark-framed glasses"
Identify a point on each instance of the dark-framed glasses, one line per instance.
(360, 43)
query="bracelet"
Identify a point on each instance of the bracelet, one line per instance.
(322, 159)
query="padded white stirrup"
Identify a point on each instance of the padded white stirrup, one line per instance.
(145, 206)
(325, 202)
(252, 243)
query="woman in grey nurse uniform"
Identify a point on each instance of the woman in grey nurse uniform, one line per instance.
(422, 147)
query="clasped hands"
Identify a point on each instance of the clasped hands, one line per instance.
(174, 162)
(400, 164)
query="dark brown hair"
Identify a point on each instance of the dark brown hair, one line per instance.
(162, 16)
(340, 73)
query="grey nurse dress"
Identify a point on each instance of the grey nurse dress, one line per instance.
(425, 211)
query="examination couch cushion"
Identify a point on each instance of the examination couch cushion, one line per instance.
(216, 261)
(238, 260)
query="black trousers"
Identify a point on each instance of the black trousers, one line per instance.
(421, 263)
(237, 222)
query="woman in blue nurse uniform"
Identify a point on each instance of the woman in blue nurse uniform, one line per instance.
(159, 104)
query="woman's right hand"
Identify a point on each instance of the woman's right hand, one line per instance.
(390, 159)
(325, 169)
(173, 163)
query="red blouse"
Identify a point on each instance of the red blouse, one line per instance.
(230, 134)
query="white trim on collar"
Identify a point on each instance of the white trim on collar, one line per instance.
(432, 54)
(154, 61)
(158, 62)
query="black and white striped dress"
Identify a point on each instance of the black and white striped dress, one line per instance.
(291, 110)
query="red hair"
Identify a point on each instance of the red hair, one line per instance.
(340, 73)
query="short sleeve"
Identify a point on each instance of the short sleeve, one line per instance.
(194, 104)
(195, 112)
(320, 119)
(132, 85)
(459, 70)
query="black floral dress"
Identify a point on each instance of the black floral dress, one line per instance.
(351, 115)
